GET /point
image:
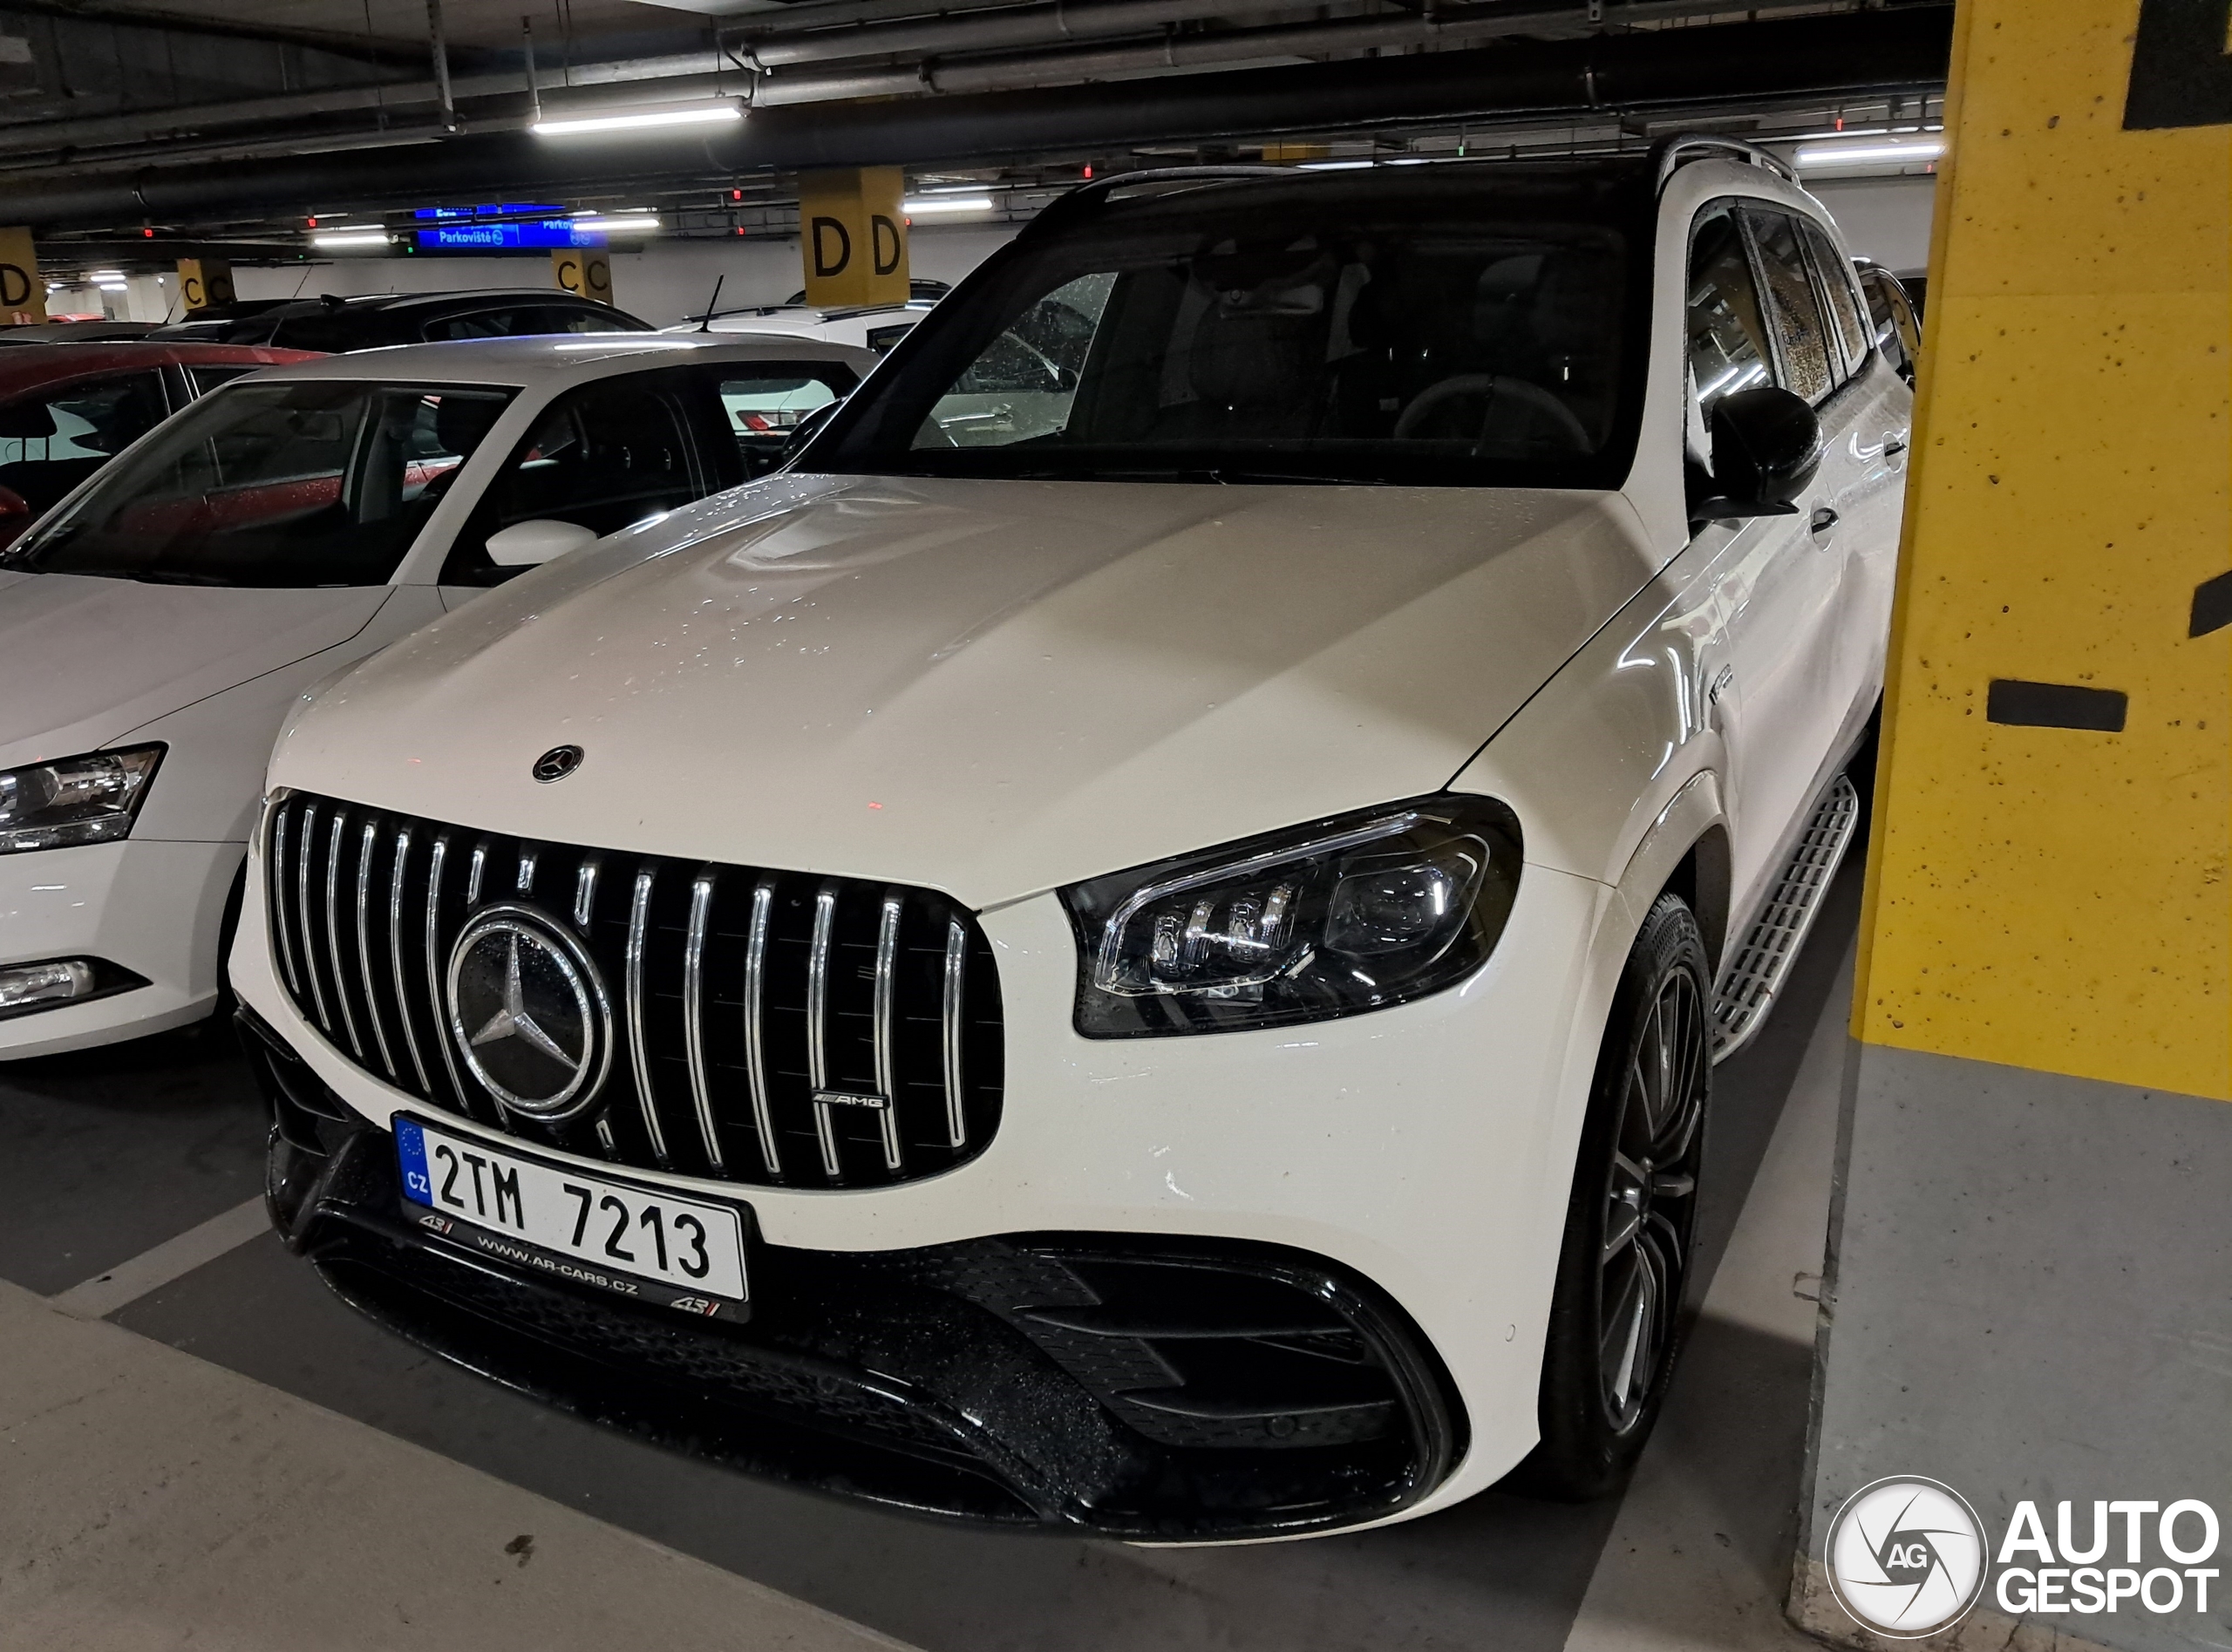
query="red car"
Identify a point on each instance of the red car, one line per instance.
(66, 410)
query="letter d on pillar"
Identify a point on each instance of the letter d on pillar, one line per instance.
(23, 294)
(852, 236)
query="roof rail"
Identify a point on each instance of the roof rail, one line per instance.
(1677, 151)
(1087, 195)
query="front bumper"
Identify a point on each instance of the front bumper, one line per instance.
(1424, 1149)
(149, 907)
(1166, 1390)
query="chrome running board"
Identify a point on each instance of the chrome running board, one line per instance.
(1755, 974)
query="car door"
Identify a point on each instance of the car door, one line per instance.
(603, 456)
(1752, 319)
(53, 438)
(1866, 427)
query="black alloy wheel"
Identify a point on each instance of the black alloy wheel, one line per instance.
(1617, 1316)
(1650, 1199)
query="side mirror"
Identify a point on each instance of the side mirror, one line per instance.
(15, 509)
(527, 544)
(1767, 445)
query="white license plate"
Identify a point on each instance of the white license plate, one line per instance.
(558, 1218)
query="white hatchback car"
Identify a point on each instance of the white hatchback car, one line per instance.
(156, 625)
(1136, 943)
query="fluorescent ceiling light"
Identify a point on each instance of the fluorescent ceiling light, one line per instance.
(103, 274)
(1871, 154)
(927, 205)
(639, 120)
(351, 238)
(112, 285)
(616, 226)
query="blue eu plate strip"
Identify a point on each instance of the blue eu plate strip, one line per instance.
(411, 1152)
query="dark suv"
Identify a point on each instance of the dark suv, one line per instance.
(334, 325)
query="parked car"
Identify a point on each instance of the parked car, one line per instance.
(66, 410)
(875, 327)
(75, 332)
(1135, 942)
(156, 625)
(337, 324)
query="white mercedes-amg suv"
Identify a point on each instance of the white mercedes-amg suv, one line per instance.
(1136, 942)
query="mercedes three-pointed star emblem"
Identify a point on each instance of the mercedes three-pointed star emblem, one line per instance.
(528, 1013)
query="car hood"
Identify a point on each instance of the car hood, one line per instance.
(83, 662)
(988, 686)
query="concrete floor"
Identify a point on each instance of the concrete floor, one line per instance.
(199, 1446)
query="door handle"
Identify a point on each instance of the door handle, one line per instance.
(1824, 520)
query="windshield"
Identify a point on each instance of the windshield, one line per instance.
(1459, 325)
(316, 482)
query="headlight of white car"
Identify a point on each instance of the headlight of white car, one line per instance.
(1331, 919)
(85, 800)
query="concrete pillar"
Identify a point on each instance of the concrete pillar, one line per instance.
(23, 294)
(584, 270)
(149, 298)
(2030, 1287)
(852, 236)
(203, 283)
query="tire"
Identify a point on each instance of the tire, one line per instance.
(1616, 1318)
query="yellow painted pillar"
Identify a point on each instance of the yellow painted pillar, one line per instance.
(2026, 1259)
(203, 283)
(584, 270)
(23, 293)
(2048, 883)
(852, 236)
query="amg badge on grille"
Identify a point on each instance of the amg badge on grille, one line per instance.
(528, 1013)
(557, 763)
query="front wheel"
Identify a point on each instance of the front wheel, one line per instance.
(1616, 1319)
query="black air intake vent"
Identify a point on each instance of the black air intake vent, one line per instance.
(772, 1027)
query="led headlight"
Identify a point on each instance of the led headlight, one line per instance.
(1330, 919)
(87, 799)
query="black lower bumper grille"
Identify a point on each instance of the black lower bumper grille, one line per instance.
(1135, 1387)
(767, 1028)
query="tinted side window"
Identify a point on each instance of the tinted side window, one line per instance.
(604, 456)
(207, 379)
(1793, 312)
(1836, 280)
(1726, 328)
(478, 323)
(52, 439)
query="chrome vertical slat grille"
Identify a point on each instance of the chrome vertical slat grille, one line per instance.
(336, 838)
(755, 1053)
(817, 1025)
(770, 1027)
(365, 851)
(693, 1015)
(398, 879)
(953, 1029)
(639, 1046)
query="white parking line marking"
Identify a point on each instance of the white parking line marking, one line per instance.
(101, 1296)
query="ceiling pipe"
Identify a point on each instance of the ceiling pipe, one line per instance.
(1398, 33)
(678, 78)
(1854, 54)
(1018, 26)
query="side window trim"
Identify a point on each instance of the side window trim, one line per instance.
(1825, 293)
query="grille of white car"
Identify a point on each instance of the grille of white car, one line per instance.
(765, 1027)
